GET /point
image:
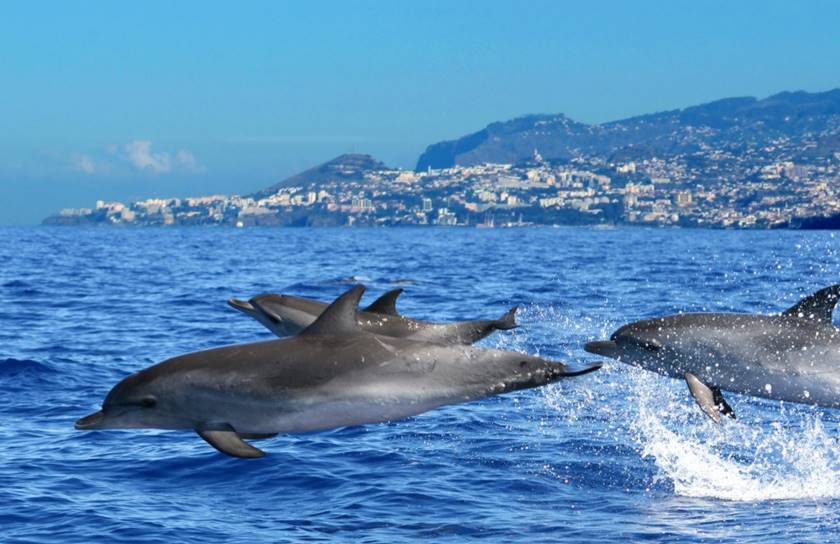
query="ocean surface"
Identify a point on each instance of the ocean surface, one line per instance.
(621, 455)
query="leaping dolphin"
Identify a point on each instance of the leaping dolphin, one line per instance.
(286, 315)
(793, 356)
(332, 374)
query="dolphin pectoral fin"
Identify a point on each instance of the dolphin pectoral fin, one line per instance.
(256, 436)
(705, 397)
(721, 403)
(228, 442)
(386, 304)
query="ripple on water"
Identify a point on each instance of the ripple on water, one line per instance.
(11, 367)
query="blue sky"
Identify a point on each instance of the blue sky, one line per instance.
(121, 100)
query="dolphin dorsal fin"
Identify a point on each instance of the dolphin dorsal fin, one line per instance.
(818, 306)
(339, 318)
(386, 304)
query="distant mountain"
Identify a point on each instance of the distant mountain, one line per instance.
(348, 167)
(730, 123)
(731, 163)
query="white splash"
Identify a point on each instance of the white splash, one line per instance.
(756, 460)
(772, 452)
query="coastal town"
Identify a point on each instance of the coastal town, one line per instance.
(714, 188)
(733, 163)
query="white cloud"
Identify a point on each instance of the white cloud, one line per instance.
(83, 163)
(136, 155)
(140, 155)
(187, 160)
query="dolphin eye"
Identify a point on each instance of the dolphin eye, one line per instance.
(651, 346)
(647, 345)
(148, 402)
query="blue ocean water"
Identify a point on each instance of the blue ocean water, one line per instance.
(621, 455)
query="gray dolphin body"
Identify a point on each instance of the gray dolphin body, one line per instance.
(286, 315)
(332, 374)
(793, 356)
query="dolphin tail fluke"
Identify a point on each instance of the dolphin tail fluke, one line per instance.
(228, 442)
(508, 320)
(709, 399)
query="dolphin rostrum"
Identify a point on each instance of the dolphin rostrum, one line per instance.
(332, 374)
(286, 315)
(793, 356)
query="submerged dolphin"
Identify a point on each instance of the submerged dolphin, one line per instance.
(333, 374)
(285, 315)
(794, 356)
